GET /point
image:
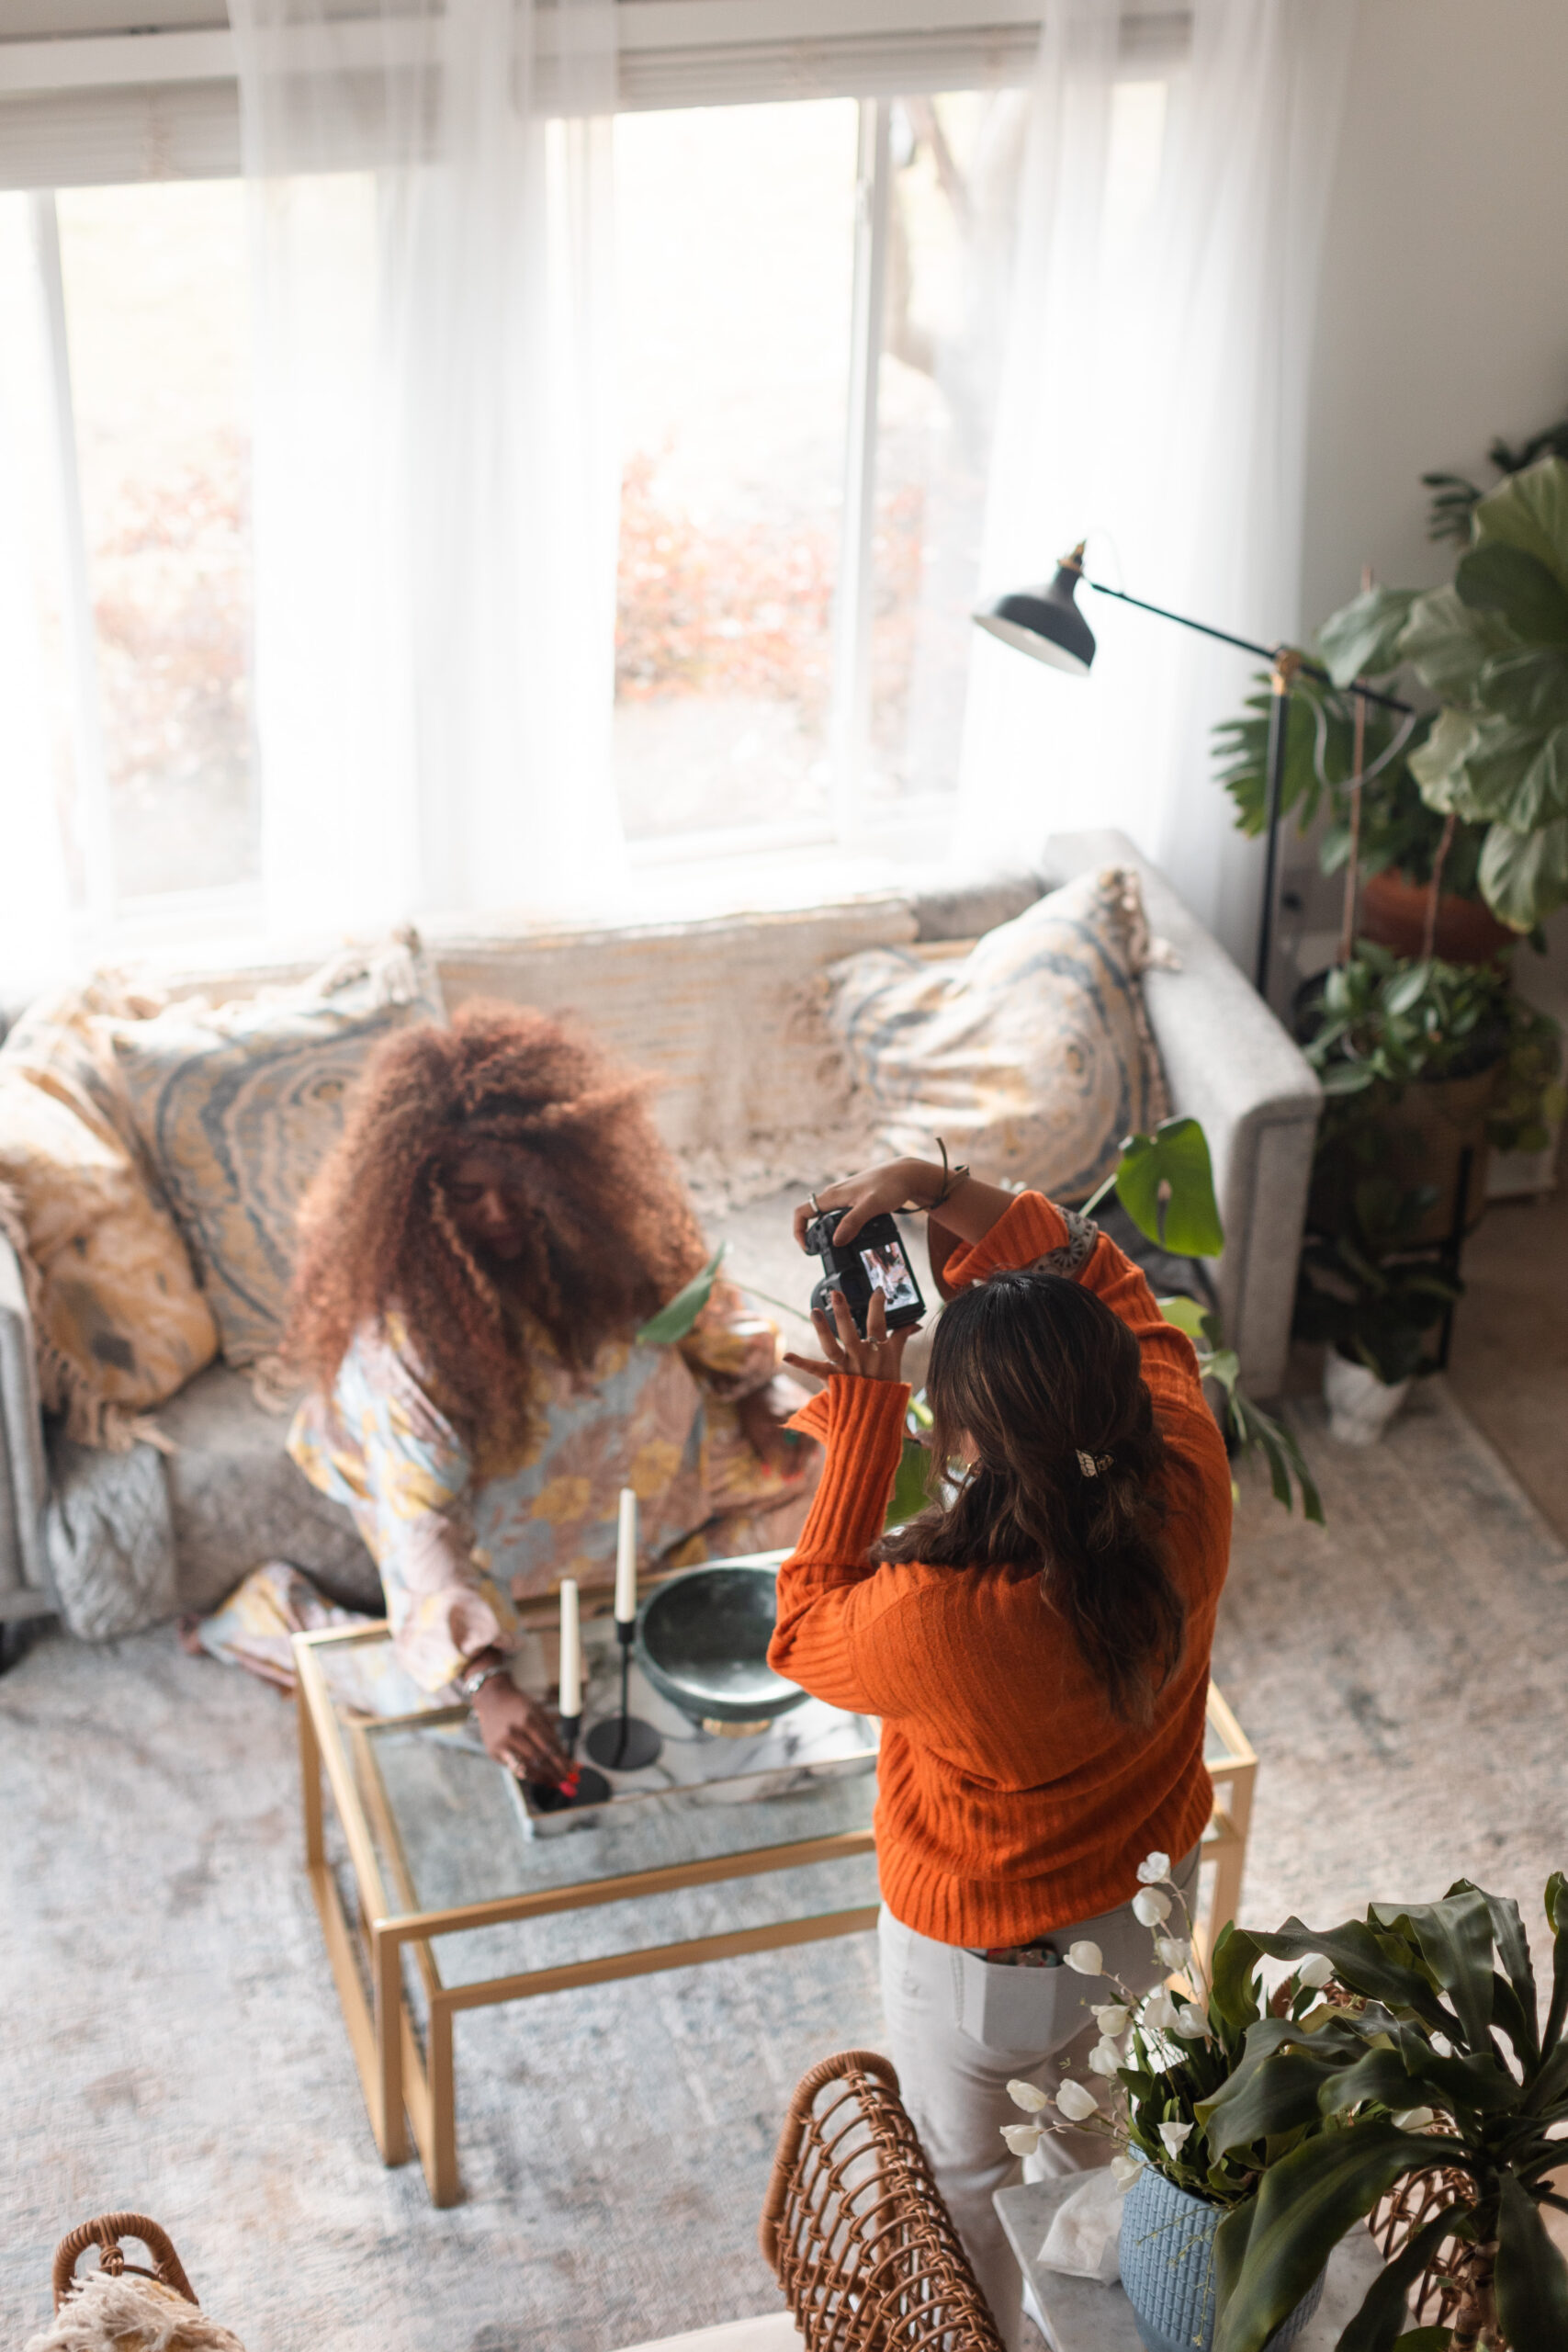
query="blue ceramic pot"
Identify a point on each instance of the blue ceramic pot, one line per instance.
(1167, 2268)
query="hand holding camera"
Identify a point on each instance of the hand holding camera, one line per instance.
(877, 1354)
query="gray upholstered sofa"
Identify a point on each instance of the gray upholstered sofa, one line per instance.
(721, 1009)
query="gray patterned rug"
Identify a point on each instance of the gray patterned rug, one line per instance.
(172, 2040)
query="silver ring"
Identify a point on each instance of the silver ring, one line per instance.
(816, 1209)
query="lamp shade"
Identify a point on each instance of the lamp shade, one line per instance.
(1045, 622)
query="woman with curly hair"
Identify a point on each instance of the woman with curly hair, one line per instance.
(497, 1220)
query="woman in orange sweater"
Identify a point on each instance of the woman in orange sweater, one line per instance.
(1036, 1644)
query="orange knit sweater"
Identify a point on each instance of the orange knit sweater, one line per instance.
(1010, 1799)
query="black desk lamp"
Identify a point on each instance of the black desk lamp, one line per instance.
(1046, 624)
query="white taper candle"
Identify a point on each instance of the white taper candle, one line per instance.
(570, 1651)
(625, 1560)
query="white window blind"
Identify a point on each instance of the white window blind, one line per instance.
(103, 91)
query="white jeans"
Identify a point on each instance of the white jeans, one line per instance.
(961, 2028)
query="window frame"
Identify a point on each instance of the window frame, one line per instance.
(693, 53)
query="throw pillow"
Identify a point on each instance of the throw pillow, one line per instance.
(237, 1105)
(1030, 1055)
(118, 1321)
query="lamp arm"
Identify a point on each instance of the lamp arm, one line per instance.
(1244, 644)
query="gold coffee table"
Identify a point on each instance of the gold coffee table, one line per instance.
(722, 1846)
(443, 1858)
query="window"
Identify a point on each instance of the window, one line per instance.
(809, 304)
(812, 293)
(128, 337)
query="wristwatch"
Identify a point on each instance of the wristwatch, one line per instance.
(473, 1681)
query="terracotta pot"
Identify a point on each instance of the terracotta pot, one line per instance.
(1392, 912)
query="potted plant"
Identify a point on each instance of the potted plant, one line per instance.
(1492, 647)
(1432, 2022)
(1161, 2062)
(1389, 844)
(1421, 1062)
(1372, 1308)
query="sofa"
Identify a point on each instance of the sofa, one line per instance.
(723, 1010)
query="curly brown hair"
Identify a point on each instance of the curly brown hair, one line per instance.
(611, 1237)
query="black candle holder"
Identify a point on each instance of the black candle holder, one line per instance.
(584, 1785)
(623, 1743)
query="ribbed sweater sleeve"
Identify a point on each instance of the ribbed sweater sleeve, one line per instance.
(827, 1596)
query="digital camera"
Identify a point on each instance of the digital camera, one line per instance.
(873, 1261)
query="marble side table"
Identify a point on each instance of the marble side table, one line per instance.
(1082, 2316)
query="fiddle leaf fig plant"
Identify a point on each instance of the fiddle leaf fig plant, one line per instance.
(1436, 2017)
(1492, 647)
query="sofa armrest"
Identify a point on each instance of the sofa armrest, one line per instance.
(1229, 1064)
(24, 1478)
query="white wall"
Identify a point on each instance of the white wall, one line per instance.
(1443, 318)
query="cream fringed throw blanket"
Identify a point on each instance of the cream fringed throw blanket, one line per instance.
(131, 2314)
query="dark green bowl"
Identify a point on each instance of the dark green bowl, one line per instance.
(703, 1643)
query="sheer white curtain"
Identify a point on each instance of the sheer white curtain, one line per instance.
(435, 482)
(1155, 396)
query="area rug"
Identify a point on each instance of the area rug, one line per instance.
(172, 2040)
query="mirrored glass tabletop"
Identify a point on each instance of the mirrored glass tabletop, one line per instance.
(452, 1827)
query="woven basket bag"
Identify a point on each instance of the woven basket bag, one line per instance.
(122, 2306)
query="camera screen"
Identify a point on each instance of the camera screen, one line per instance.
(889, 1274)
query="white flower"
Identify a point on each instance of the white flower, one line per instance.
(1415, 2119)
(1150, 1906)
(1029, 2095)
(1174, 2134)
(1076, 2103)
(1153, 1867)
(1160, 2014)
(1192, 2021)
(1104, 2059)
(1125, 2170)
(1315, 1970)
(1087, 1958)
(1022, 2139)
(1112, 2017)
(1175, 1951)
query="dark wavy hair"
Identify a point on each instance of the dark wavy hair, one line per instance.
(1038, 1370)
(612, 1234)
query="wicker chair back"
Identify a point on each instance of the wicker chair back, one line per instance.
(854, 2226)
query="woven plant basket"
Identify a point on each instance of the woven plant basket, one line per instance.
(854, 2226)
(1454, 2290)
(122, 2306)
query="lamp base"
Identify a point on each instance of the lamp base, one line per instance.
(592, 1788)
(624, 1744)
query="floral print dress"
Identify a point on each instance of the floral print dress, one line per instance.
(457, 1542)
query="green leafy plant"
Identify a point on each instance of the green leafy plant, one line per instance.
(1165, 2061)
(674, 1321)
(1358, 1294)
(1381, 1023)
(1455, 498)
(1165, 1183)
(1492, 649)
(1246, 1427)
(1438, 2017)
(1398, 830)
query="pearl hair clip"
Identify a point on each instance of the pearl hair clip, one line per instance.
(1092, 1464)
